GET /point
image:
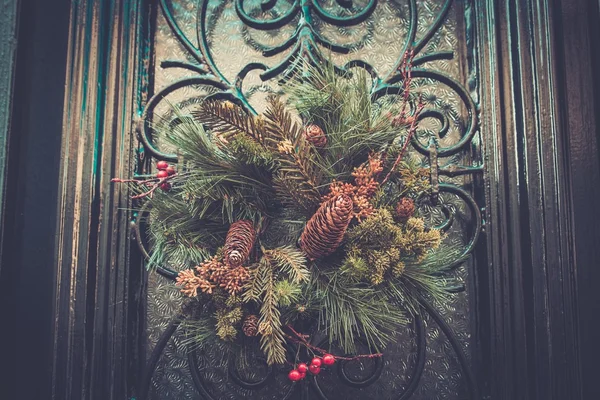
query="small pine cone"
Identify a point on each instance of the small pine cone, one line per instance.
(405, 208)
(315, 135)
(250, 326)
(239, 243)
(326, 228)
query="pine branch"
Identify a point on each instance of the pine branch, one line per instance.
(272, 336)
(291, 261)
(298, 176)
(280, 124)
(350, 311)
(256, 284)
(227, 120)
(287, 293)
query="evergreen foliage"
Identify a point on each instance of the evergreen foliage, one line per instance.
(262, 169)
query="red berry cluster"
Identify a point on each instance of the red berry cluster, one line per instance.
(314, 368)
(165, 170)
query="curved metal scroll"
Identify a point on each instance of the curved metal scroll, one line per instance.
(307, 43)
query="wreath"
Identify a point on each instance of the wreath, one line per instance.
(304, 217)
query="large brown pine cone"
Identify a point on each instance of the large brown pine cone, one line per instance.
(315, 135)
(326, 228)
(239, 242)
(250, 326)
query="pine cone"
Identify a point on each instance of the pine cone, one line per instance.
(250, 326)
(405, 208)
(239, 242)
(326, 228)
(315, 135)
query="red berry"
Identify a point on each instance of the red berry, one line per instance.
(302, 368)
(316, 361)
(314, 369)
(162, 174)
(166, 186)
(294, 375)
(171, 170)
(328, 359)
(162, 165)
(302, 375)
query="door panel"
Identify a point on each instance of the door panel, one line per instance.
(526, 322)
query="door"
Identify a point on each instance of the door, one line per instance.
(507, 138)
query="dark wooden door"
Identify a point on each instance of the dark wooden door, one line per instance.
(514, 113)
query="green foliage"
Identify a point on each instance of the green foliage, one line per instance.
(228, 120)
(272, 338)
(298, 175)
(378, 246)
(198, 331)
(274, 283)
(410, 179)
(237, 166)
(228, 320)
(249, 151)
(290, 261)
(287, 292)
(353, 123)
(215, 184)
(350, 310)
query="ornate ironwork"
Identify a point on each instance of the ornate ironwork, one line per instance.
(442, 151)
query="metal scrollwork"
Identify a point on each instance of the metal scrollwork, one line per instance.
(442, 148)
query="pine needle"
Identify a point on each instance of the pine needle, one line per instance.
(351, 311)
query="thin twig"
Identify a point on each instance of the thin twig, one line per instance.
(411, 132)
(301, 339)
(156, 183)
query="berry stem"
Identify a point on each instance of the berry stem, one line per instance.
(155, 182)
(300, 339)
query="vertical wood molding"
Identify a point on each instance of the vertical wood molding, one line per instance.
(8, 47)
(537, 118)
(579, 97)
(97, 310)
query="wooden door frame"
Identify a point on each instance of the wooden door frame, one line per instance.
(536, 298)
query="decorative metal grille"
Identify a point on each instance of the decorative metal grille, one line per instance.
(239, 50)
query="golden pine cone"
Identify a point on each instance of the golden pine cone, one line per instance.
(326, 228)
(405, 208)
(315, 135)
(239, 243)
(250, 325)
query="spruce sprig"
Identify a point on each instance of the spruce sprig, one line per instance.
(298, 176)
(272, 336)
(291, 261)
(227, 120)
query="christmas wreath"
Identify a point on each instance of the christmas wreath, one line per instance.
(304, 216)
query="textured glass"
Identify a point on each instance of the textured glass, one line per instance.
(380, 41)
